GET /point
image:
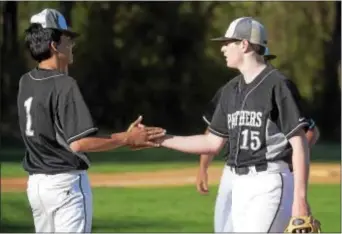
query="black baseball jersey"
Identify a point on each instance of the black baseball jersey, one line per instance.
(258, 117)
(211, 106)
(52, 114)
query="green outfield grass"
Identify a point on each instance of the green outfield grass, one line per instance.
(124, 160)
(15, 169)
(178, 209)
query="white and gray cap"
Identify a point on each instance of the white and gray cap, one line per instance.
(245, 28)
(51, 18)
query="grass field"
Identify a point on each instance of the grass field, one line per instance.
(160, 210)
(124, 160)
(170, 209)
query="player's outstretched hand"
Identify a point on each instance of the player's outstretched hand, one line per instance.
(140, 136)
(202, 181)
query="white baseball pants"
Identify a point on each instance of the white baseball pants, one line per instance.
(256, 202)
(61, 202)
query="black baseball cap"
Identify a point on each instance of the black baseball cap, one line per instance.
(51, 18)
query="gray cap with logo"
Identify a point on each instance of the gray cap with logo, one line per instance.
(245, 28)
(51, 18)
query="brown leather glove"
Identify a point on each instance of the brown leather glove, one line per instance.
(303, 224)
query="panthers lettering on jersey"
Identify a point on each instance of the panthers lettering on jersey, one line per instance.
(259, 118)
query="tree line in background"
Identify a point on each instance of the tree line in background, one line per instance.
(156, 58)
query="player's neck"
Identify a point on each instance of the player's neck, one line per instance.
(48, 64)
(251, 68)
(51, 64)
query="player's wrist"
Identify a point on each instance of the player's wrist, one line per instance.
(300, 195)
(122, 137)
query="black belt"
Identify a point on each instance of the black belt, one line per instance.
(244, 170)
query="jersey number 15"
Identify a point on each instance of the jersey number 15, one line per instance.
(27, 104)
(250, 140)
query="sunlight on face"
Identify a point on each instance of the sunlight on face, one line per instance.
(232, 52)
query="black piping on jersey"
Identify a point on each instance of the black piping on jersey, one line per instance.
(218, 133)
(63, 143)
(45, 78)
(280, 201)
(82, 133)
(84, 204)
(206, 120)
(295, 129)
(242, 106)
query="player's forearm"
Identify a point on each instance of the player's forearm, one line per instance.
(197, 144)
(300, 160)
(97, 144)
(205, 160)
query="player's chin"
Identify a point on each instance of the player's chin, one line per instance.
(229, 64)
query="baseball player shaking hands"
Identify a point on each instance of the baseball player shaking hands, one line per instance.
(222, 216)
(58, 130)
(265, 125)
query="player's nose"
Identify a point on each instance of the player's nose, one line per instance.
(222, 48)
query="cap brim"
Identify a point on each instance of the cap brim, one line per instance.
(70, 33)
(223, 39)
(270, 57)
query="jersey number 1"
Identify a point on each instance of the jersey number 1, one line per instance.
(254, 143)
(27, 104)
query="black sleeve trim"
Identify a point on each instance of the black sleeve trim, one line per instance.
(217, 133)
(294, 130)
(206, 120)
(312, 124)
(82, 134)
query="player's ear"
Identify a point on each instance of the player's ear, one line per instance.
(53, 46)
(244, 45)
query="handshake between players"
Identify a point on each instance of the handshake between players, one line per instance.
(140, 136)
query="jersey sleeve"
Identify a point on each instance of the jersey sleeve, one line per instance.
(290, 114)
(218, 125)
(210, 108)
(74, 114)
(311, 124)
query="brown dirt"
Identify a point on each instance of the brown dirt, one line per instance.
(320, 173)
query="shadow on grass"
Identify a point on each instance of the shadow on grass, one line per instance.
(8, 227)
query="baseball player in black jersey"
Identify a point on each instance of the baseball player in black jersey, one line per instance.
(58, 130)
(265, 125)
(222, 218)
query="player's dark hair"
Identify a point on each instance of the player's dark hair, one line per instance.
(38, 40)
(260, 50)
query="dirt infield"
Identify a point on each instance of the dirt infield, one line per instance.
(320, 173)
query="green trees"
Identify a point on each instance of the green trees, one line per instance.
(156, 59)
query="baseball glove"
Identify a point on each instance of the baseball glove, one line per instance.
(303, 224)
